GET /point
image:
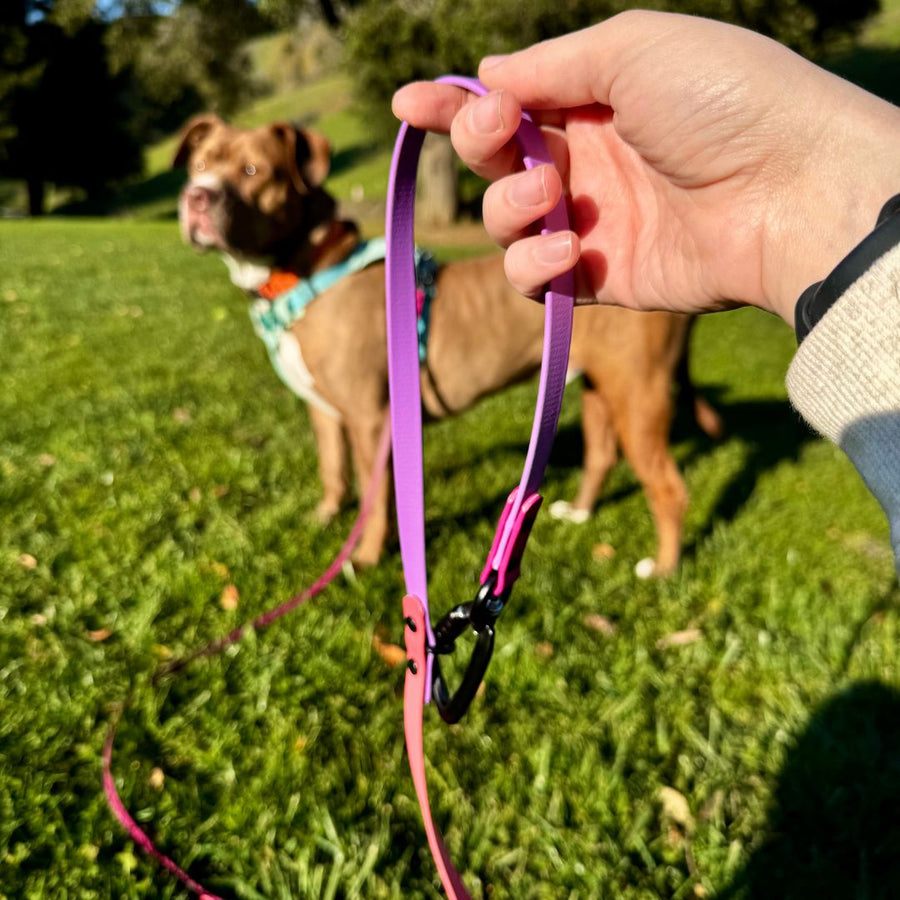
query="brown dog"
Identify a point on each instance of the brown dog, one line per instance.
(256, 195)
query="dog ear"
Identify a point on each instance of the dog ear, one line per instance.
(308, 154)
(194, 132)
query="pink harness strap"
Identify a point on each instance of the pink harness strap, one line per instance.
(502, 566)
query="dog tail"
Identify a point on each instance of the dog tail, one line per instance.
(705, 415)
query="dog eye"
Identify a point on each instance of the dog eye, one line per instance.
(250, 169)
(200, 165)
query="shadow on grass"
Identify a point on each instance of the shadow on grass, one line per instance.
(159, 191)
(769, 430)
(348, 157)
(833, 829)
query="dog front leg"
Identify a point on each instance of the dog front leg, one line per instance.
(364, 436)
(332, 447)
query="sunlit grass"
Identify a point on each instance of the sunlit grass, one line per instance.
(149, 457)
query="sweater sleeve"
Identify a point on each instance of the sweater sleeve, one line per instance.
(845, 381)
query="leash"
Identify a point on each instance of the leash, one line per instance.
(424, 643)
(114, 801)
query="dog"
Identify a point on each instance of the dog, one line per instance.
(257, 196)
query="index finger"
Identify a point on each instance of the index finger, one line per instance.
(428, 105)
(482, 128)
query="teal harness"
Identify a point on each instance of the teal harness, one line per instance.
(272, 318)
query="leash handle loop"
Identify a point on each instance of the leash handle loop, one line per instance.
(423, 677)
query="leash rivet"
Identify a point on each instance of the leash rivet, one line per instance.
(411, 665)
(410, 623)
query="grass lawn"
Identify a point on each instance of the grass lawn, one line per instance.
(730, 732)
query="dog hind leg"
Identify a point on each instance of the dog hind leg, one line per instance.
(644, 433)
(600, 454)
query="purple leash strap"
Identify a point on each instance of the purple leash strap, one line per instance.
(424, 642)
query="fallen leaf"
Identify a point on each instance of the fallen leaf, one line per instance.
(603, 551)
(544, 649)
(600, 623)
(38, 619)
(46, 460)
(679, 638)
(390, 653)
(99, 634)
(27, 561)
(300, 743)
(157, 778)
(230, 598)
(162, 651)
(180, 414)
(675, 809)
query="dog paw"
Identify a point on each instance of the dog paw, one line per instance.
(364, 558)
(646, 568)
(326, 511)
(565, 512)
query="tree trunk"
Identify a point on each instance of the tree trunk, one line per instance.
(438, 177)
(329, 14)
(36, 195)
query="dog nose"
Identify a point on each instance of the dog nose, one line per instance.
(198, 198)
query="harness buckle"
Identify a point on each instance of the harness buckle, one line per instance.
(479, 615)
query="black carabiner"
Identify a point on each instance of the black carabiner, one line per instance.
(479, 615)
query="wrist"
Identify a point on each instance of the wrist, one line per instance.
(818, 298)
(835, 201)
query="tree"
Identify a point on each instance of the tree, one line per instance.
(391, 42)
(61, 112)
(80, 92)
(286, 13)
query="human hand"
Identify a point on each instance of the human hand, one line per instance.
(705, 166)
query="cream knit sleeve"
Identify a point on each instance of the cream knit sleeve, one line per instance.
(845, 381)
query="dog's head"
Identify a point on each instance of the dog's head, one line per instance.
(252, 192)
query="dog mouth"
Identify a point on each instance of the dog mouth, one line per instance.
(199, 227)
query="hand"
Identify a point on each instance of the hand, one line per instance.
(705, 166)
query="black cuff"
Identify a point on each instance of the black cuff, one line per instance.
(817, 299)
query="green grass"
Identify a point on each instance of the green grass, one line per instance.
(149, 457)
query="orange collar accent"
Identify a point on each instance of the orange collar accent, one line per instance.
(278, 282)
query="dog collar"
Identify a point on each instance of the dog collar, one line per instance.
(289, 295)
(424, 642)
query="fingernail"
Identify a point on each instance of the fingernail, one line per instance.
(529, 189)
(553, 249)
(490, 61)
(484, 114)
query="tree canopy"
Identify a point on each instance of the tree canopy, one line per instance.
(391, 42)
(102, 78)
(84, 85)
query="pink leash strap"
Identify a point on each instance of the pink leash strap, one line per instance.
(502, 566)
(113, 800)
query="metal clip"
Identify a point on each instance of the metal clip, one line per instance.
(479, 615)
